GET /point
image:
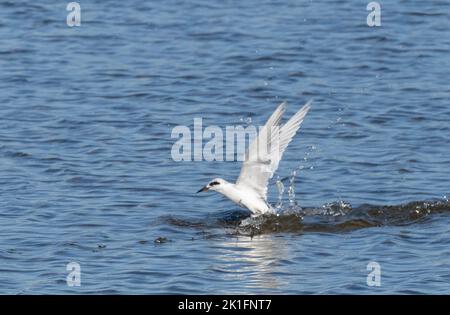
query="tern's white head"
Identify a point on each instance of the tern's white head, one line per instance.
(217, 184)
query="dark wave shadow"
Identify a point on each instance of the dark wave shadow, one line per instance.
(336, 217)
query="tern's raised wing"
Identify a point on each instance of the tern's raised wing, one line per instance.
(266, 150)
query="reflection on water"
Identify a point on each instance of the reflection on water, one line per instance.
(306, 249)
(255, 262)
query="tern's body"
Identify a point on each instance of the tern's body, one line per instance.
(244, 197)
(261, 162)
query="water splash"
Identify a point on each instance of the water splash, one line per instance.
(337, 208)
(280, 187)
(246, 120)
(280, 182)
(334, 217)
(291, 188)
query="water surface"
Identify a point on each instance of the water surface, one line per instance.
(87, 175)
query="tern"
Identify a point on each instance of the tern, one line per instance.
(260, 163)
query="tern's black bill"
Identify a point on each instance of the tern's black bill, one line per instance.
(203, 189)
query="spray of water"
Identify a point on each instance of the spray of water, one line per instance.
(280, 187)
(293, 204)
(291, 189)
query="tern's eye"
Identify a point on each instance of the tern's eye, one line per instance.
(214, 183)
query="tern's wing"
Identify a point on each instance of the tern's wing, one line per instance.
(266, 150)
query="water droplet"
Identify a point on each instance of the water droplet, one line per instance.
(280, 188)
(291, 189)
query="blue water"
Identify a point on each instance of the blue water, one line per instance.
(85, 146)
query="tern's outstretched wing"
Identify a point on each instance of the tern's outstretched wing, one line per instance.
(266, 150)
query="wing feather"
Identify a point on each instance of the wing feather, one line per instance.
(266, 150)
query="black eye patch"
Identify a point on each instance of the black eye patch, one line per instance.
(214, 183)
